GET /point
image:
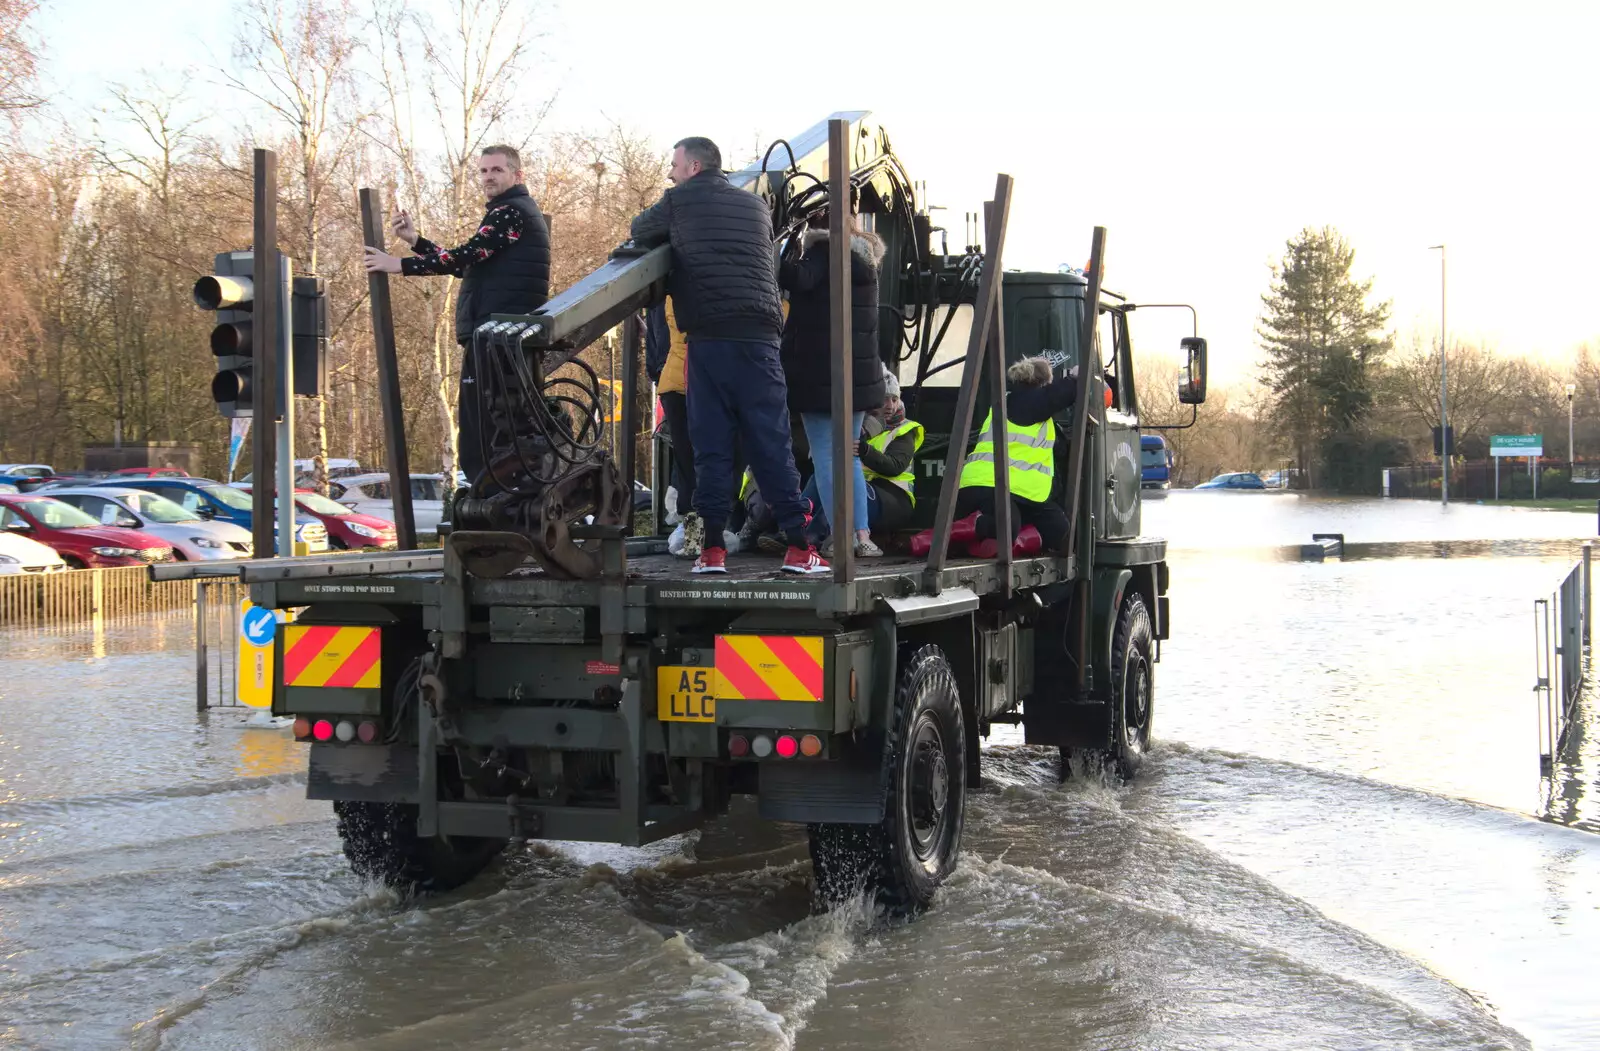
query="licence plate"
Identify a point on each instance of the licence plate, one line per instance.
(684, 694)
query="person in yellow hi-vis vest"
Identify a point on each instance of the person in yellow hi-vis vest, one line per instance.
(1037, 518)
(887, 450)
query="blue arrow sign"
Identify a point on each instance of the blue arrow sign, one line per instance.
(259, 625)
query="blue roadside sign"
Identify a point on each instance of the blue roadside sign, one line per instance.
(259, 625)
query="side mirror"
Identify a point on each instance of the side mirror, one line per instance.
(17, 525)
(1192, 385)
(128, 522)
(206, 511)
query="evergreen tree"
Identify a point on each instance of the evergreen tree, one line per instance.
(1323, 344)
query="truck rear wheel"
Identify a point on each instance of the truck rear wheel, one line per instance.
(906, 857)
(1132, 686)
(381, 843)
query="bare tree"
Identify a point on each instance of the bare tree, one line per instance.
(1480, 384)
(299, 62)
(473, 58)
(18, 59)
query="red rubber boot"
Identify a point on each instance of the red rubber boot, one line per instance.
(921, 544)
(1029, 542)
(964, 530)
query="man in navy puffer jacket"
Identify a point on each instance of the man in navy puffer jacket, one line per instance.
(724, 286)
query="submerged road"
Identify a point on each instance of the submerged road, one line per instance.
(1335, 846)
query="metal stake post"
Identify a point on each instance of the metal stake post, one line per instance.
(986, 307)
(1081, 547)
(394, 421)
(995, 370)
(264, 372)
(628, 437)
(842, 519)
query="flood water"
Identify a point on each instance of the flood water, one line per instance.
(1341, 841)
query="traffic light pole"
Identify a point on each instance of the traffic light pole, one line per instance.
(285, 487)
(266, 319)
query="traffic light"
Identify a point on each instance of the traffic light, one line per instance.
(230, 292)
(1449, 440)
(309, 328)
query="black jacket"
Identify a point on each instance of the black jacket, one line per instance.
(724, 279)
(513, 281)
(1027, 406)
(806, 342)
(657, 341)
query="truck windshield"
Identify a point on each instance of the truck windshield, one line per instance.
(1153, 457)
(1047, 325)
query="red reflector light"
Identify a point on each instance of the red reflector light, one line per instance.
(302, 728)
(322, 730)
(367, 732)
(788, 747)
(810, 745)
(738, 746)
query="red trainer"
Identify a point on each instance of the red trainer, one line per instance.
(804, 560)
(711, 560)
(1029, 542)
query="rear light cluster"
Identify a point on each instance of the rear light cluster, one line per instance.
(764, 745)
(344, 731)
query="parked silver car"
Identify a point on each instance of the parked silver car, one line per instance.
(369, 494)
(193, 538)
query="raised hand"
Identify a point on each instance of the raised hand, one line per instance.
(403, 227)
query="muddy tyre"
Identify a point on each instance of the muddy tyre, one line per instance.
(381, 843)
(1132, 686)
(904, 859)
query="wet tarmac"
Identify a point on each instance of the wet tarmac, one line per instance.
(1337, 844)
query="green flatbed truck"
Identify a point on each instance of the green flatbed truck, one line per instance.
(456, 700)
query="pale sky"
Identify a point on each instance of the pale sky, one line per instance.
(1202, 135)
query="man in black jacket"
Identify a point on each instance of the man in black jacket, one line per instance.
(724, 286)
(504, 269)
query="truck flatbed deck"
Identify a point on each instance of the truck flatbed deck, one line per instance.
(653, 578)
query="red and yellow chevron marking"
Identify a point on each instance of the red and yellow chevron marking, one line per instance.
(769, 668)
(332, 656)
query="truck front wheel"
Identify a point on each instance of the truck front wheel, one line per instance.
(1132, 686)
(905, 858)
(381, 843)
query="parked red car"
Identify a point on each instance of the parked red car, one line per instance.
(81, 541)
(347, 529)
(150, 472)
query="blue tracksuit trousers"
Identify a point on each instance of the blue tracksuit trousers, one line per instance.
(737, 391)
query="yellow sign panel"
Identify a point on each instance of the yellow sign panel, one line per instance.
(684, 694)
(332, 655)
(257, 628)
(770, 667)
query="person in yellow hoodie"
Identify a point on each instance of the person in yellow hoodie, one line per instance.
(665, 358)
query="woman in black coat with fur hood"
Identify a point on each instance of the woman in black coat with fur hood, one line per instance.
(806, 365)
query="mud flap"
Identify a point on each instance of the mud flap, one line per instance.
(847, 791)
(1070, 724)
(364, 773)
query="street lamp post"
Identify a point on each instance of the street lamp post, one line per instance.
(1444, 396)
(1572, 388)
